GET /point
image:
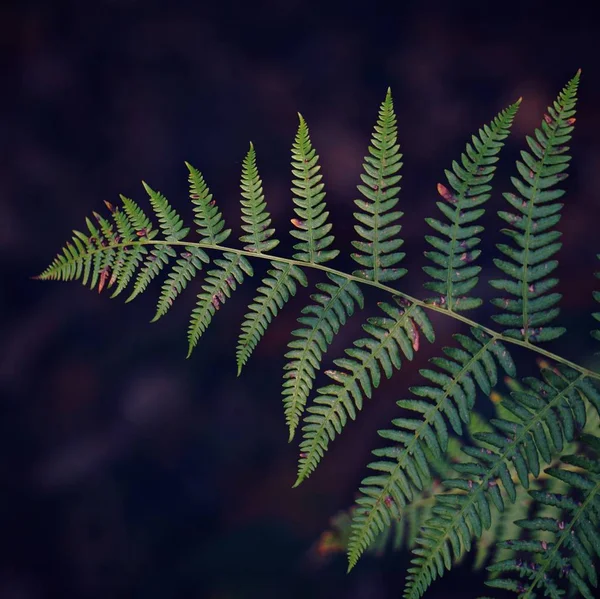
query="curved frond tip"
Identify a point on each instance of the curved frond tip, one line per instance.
(528, 306)
(379, 226)
(455, 272)
(311, 227)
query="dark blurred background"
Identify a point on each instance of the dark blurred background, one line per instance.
(128, 471)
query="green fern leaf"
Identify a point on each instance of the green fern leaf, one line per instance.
(170, 222)
(390, 337)
(311, 226)
(190, 262)
(153, 265)
(321, 322)
(280, 284)
(455, 273)
(172, 227)
(208, 217)
(75, 260)
(404, 529)
(534, 240)
(548, 414)
(378, 228)
(256, 219)
(217, 287)
(575, 538)
(129, 254)
(105, 256)
(276, 290)
(405, 467)
(132, 224)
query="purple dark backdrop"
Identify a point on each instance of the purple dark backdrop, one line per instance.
(128, 471)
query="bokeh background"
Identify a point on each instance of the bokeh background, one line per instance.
(127, 470)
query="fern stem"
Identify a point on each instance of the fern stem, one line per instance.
(427, 305)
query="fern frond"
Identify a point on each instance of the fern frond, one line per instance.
(575, 537)
(502, 528)
(276, 290)
(153, 265)
(169, 221)
(256, 219)
(217, 287)
(108, 254)
(401, 534)
(321, 321)
(391, 336)
(403, 530)
(455, 274)
(405, 467)
(187, 266)
(172, 227)
(378, 250)
(547, 414)
(311, 226)
(280, 283)
(534, 241)
(128, 222)
(207, 215)
(75, 260)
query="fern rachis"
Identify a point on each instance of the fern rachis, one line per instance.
(129, 250)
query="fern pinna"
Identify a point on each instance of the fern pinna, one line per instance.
(543, 414)
(575, 534)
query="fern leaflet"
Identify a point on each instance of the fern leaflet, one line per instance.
(455, 273)
(311, 226)
(378, 251)
(548, 414)
(404, 467)
(256, 219)
(575, 539)
(188, 265)
(390, 336)
(531, 227)
(275, 291)
(321, 321)
(216, 289)
(280, 284)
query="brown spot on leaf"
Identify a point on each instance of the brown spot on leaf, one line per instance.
(299, 224)
(103, 276)
(414, 333)
(446, 193)
(110, 207)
